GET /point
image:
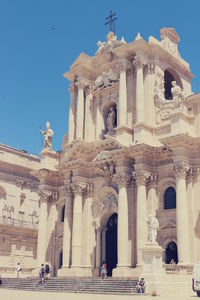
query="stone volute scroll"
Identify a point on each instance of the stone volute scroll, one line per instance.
(153, 227)
(48, 135)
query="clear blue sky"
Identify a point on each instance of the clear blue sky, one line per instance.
(34, 56)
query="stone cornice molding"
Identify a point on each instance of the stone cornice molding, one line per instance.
(122, 179)
(181, 170)
(141, 177)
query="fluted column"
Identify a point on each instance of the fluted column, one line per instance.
(122, 110)
(67, 228)
(80, 110)
(149, 103)
(139, 89)
(141, 178)
(152, 197)
(42, 227)
(78, 189)
(122, 180)
(72, 112)
(181, 170)
(89, 125)
(98, 248)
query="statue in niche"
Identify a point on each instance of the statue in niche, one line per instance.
(110, 121)
(48, 134)
(177, 94)
(153, 227)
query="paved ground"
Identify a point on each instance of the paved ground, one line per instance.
(19, 295)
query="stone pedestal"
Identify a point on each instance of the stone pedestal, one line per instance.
(152, 270)
(49, 159)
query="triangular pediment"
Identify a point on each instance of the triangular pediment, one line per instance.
(168, 225)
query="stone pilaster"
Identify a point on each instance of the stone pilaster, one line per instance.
(149, 88)
(72, 114)
(98, 247)
(80, 109)
(98, 118)
(45, 196)
(122, 111)
(141, 177)
(138, 63)
(152, 197)
(88, 114)
(122, 180)
(181, 170)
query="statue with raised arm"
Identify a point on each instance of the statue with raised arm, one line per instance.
(48, 134)
(110, 122)
(177, 94)
(153, 227)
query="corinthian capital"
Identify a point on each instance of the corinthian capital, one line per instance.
(45, 195)
(138, 62)
(141, 177)
(72, 88)
(80, 83)
(181, 169)
(79, 188)
(123, 65)
(121, 179)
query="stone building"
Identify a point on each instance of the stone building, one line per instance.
(132, 151)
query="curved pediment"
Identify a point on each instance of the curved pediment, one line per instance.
(92, 151)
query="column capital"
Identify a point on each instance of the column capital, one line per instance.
(80, 83)
(88, 89)
(181, 169)
(138, 62)
(153, 179)
(141, 177)
(122, 179)
(78, 188)
(123, 64)
(72, 88)
(48, 196)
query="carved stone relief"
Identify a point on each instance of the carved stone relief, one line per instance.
(106, 79)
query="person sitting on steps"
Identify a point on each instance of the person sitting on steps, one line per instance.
(140, 288)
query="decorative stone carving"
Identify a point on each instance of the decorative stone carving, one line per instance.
(181, 169)
(109, 200)
(122, 179)
(106, 170)
(177, 93)
(80, 83)
(48, 134)
(79, 188)
(23, 184)
(105, 80)
(123, 65)
(100, 45)
(22, 198)
(48, 196)
(104, 154)
(153, 227)
(110, 121)
(138, 62)
(141, 177)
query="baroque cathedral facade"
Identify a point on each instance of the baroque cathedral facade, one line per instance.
(132, 151)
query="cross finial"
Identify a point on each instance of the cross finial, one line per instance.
(111, 21)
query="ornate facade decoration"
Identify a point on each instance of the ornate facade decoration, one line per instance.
(141, 177)
(122, 179)
(48, 135)
(106, 79)
(153, 227)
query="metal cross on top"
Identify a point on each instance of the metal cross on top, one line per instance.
(111, 20)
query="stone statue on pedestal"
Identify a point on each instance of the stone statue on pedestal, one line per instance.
(153, 227)
(110, 122)
(48, 134)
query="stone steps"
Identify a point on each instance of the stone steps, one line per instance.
(74, 285)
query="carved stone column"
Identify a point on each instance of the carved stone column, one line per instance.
(98, 247)
(88, 114)
(67, 228)
(72, 114)
(152, 197)
(80, 110)
(78, 190)
(141, 178)
(98, 118)
(122, 110)
(122, 180)
(149, 88)
(138, 63)
(181, 170)
(42, 227)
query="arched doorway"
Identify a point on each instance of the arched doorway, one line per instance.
(111, 244)
(171, 253)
